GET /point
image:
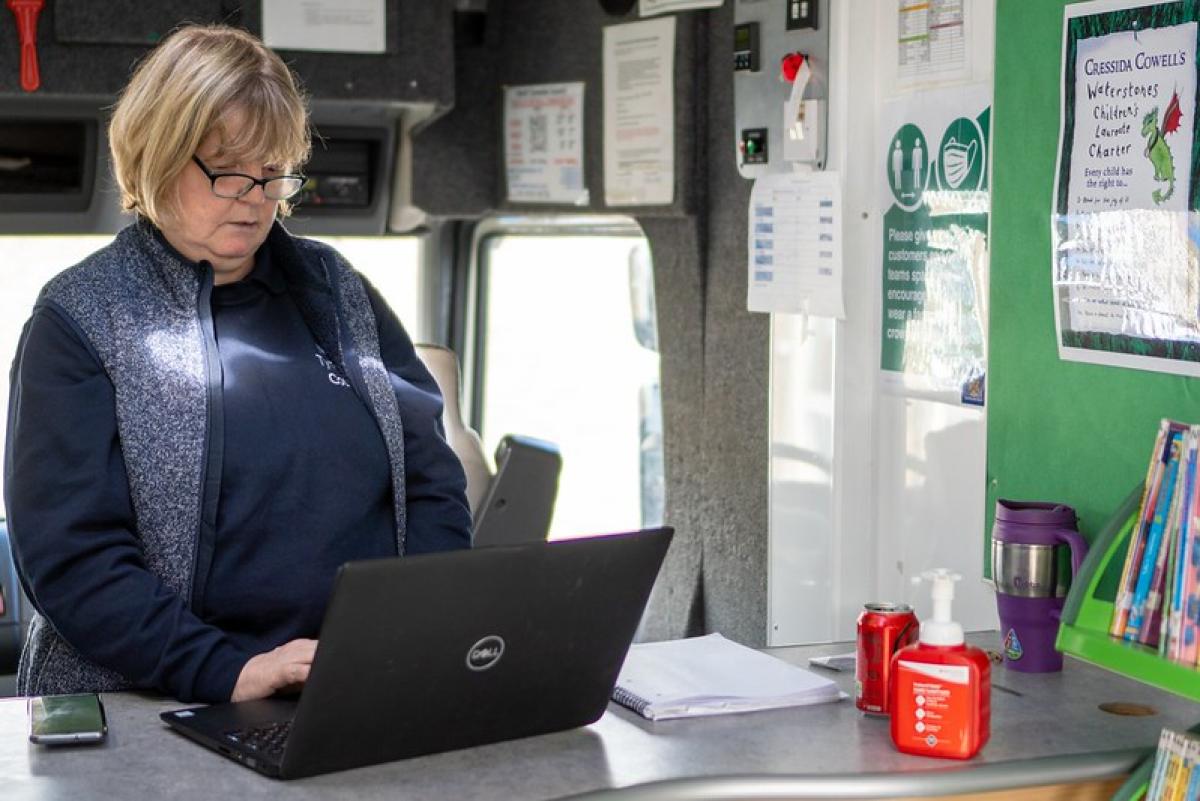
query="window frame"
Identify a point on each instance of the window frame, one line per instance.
(471, 302)
(472, 349)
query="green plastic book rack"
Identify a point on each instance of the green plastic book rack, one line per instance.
(1089, 609)
(1087, 616)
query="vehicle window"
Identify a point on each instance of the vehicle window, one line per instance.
(393, 265)
(570, 355)
(28, 263)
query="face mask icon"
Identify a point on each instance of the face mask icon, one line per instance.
(957, 161)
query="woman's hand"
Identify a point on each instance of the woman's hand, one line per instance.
(286, 667)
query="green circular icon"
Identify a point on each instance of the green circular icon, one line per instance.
(908, 162)
(962, 162)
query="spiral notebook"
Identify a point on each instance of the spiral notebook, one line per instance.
(712, 676)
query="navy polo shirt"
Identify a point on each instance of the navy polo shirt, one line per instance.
(306, 482)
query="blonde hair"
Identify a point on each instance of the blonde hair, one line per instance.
(187, 88)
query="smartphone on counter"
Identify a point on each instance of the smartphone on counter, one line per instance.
(67, 719)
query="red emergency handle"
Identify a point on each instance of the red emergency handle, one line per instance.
(26, 12)
(789, 66)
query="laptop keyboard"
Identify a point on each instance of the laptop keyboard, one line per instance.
(267, 739)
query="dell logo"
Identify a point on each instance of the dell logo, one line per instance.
(485, 653)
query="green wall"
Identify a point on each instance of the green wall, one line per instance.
(1057, 431)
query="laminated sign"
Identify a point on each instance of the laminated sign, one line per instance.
(935, 202)
(1124, 261)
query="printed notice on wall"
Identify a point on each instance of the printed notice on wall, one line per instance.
(336, 26)
(649, 8)
(1125, 265)
(639, 113)
(933, 189)
(795, 244)
(543, 143)
(931, 41)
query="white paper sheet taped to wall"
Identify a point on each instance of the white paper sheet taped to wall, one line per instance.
(336, 26)
(649, 8)
(931, 41)
(794, 244)
(639, 113)
(543, 143)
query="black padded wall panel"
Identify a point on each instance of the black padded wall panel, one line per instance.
(455, 156)
(676, 247)
(568, 37)
(736, 379)
(418, 66)
(541, 42)
(716, 376)
(133, 22)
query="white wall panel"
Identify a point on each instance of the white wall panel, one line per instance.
(801, 555)
(868, 489)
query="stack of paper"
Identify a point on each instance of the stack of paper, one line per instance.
(713, 676)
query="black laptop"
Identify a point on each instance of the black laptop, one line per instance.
(443, 651)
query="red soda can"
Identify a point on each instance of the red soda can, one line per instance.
(883, 629)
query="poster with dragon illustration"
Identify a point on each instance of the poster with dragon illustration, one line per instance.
(1126, 268)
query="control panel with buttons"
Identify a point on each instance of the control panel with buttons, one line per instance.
(753, 146)
(780, 85)
(745, 47)
(801, 14)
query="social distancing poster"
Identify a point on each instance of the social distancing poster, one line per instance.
(934, 195)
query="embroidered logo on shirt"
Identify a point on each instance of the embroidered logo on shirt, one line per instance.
(331, 369)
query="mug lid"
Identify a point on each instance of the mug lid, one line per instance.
(1031, 521)
(1035, 513)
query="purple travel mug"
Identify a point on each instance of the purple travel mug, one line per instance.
(1029, 541)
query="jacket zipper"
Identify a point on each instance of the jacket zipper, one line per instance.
(214, 442)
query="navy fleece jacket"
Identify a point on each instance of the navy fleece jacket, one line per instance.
(305, 487)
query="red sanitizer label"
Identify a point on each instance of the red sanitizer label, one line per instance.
(935, 704)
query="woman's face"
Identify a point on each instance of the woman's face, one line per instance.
(223, 231)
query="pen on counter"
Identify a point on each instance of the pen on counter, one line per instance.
(1004, 689)
(826, 666)
(835, 662)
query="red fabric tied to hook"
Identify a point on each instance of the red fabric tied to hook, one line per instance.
(788, 67)
(26, 12)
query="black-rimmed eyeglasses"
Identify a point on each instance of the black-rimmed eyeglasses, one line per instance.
(232, 185)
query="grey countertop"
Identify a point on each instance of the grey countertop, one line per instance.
(1052, 731)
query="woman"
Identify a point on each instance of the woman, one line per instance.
(210, 415)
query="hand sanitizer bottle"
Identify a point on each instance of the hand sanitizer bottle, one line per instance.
(940, 689)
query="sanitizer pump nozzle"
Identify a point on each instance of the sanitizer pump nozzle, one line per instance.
(940, 629)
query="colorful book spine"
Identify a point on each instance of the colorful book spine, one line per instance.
(1161, 756)
(1176, 776)
(1189, 635)
(1149, 559)
(1157, 597)
(1192, 788)
(1173, 614)
(1137, 539)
